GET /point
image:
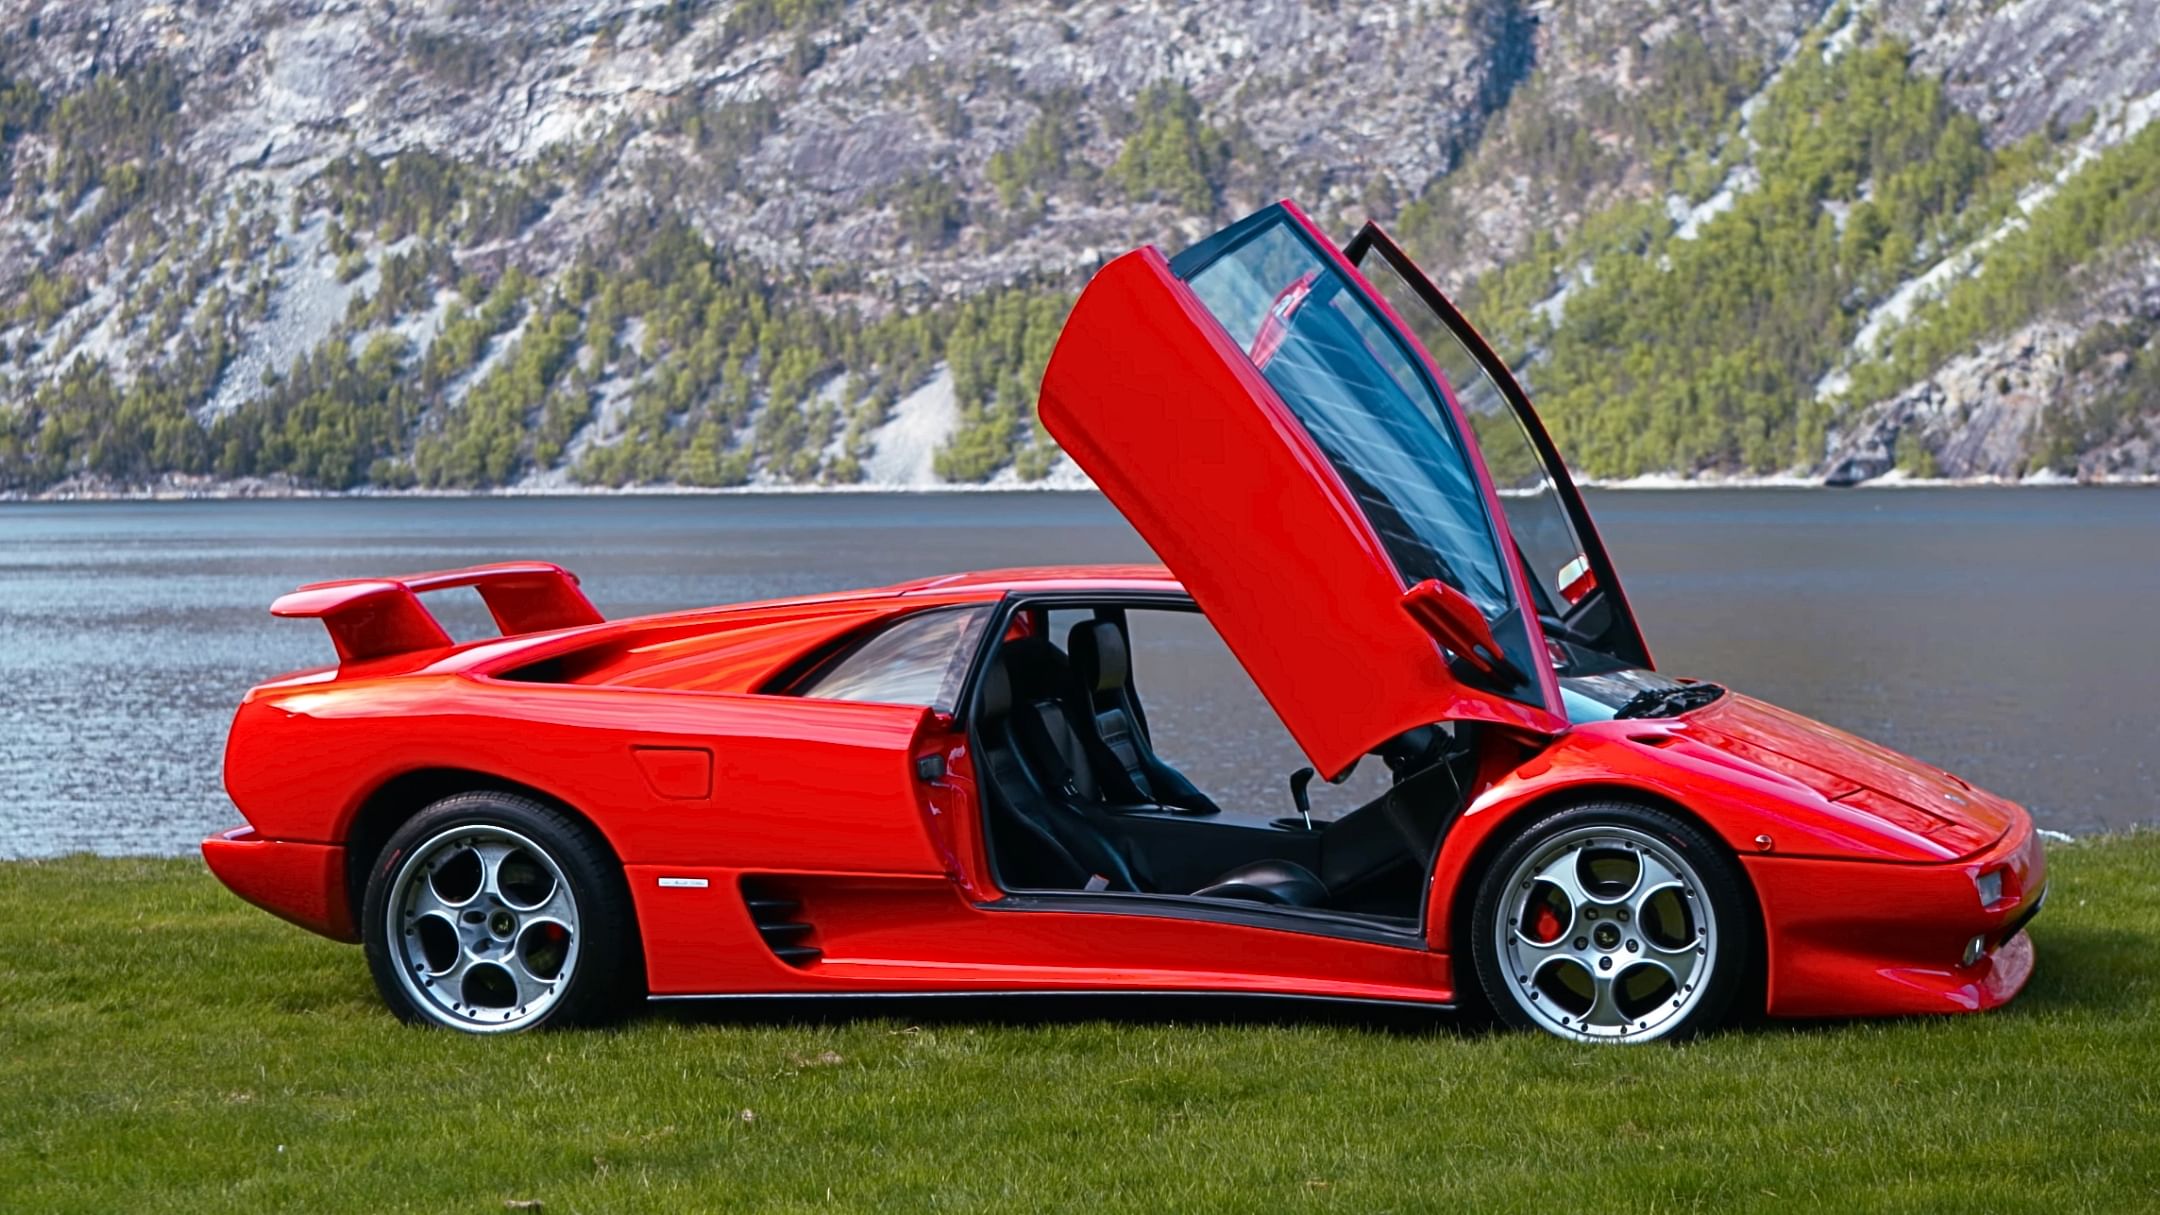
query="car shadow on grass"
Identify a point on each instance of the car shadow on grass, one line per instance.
(2088, 967)
(2081, 968)
(1022, 1010)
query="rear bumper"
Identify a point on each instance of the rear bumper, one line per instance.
(303, 883)
(1851, 938)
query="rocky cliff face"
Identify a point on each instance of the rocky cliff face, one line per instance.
(2062, 396)
(2059, 395)
(469, 243)
(791, 132)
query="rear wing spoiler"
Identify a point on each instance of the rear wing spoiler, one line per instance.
(371, 618)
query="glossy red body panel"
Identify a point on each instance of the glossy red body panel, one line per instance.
(304, 883)
(1518, 579)
(823, 795)
(698, 658)
(672, 736)
(879, 932)
(789, 774)
(1232, 494)
(1886, 784)
(682, 774)
(376, 618)
(1896, 935)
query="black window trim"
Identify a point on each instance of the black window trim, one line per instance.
(1199, 257)
(1373, 238)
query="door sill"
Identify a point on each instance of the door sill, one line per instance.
(1049, 993)
(1339, 925)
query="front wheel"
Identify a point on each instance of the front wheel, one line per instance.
(1612, 922)
(492, 913)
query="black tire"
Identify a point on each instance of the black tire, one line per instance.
(1712, 903)
(591, 936)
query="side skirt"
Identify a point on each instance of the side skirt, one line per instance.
(1056, 993)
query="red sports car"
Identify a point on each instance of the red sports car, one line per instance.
(951, 786)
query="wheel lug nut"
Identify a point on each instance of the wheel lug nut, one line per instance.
(1590, 913)
(1582, 942)
(1604, 963)
(1623, 915)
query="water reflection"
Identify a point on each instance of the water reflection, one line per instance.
(2003, 634)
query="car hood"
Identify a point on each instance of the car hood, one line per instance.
(1858, 774)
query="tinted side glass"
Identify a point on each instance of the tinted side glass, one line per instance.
(1362, 396)
(917, 660)
(1536, 518)
(1353, 386)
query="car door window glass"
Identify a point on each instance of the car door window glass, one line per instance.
(1537, 520)
(1346, 377)
(1363, 396)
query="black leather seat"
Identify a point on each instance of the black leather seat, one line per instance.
(1114, 732)
(1050, 826)
(1283, 883)
(1042, 786)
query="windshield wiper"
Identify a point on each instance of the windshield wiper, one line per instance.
(1669, 702)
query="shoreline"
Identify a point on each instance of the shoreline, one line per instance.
(226, 491)
(2051, 835)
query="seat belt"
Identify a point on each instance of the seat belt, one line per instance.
(1062, 777)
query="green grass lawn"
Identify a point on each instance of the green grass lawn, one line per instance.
(163, 1045)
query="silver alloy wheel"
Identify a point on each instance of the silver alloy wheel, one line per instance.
(1606, 934)
(484, 929)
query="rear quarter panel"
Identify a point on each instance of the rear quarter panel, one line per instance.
(794, 782)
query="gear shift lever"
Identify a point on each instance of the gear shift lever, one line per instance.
(1298, 782)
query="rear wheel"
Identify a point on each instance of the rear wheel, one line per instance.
(492, 913)
(1612, 922)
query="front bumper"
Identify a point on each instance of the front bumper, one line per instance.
(1851, 938)
(304, 883)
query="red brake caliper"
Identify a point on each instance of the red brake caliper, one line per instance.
(1545, 925)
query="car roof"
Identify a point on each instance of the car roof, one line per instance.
(1045, 578)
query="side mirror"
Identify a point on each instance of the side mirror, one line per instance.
(1455, 622)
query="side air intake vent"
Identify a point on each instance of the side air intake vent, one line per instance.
(779, 923)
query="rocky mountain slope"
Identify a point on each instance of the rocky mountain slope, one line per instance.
(462, 244)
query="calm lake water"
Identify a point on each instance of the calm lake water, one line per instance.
(2008, 635)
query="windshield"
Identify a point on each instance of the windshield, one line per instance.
(1360, 395)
